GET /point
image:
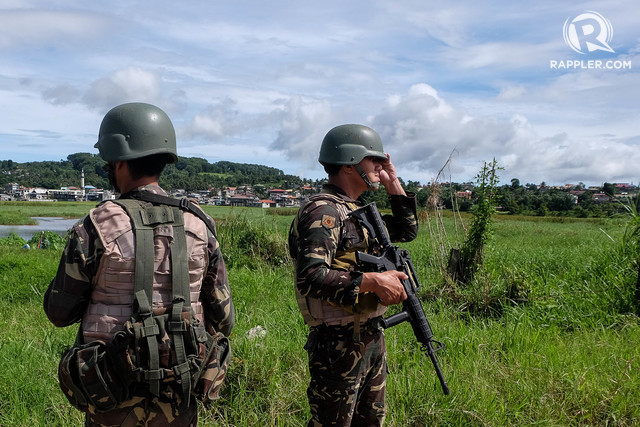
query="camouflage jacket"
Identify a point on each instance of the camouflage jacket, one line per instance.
(68, 295)
(319, 237)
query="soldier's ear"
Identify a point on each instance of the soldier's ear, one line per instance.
(347, 170)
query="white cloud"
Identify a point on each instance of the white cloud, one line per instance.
(215, 122)
(302, 127)
(24, 28)
(126, 85)
(421, 130)
(511, 92)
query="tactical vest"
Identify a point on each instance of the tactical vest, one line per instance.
(141, 326)
(111, 302)
(316, 311)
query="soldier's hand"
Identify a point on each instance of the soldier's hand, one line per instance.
(386, 285)
(388, 172)
(389, 178)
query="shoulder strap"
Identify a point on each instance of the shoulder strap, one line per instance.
(145, 220)
(183, 203)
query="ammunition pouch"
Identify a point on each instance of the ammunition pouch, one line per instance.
(88, 376)
(98, 376)
(200, 372)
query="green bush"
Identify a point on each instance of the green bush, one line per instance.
(12, 240)
(47, 240)
(250, 243)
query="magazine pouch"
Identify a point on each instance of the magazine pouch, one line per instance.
(88, 378)
(214, 369)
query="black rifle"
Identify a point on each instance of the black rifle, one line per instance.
(393, 258)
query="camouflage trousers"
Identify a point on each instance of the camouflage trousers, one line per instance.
(348, 378)
(144, 409)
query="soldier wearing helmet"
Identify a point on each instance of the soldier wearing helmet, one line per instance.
(96, 277)
(341, 305)
(138, 136)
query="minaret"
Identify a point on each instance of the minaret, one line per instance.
(82, 183)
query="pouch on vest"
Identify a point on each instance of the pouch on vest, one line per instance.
(88, 376)
(200, 372)
(214, 370)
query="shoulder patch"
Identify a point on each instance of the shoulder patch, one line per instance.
(328, 221)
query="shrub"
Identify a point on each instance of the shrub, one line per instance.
(470, 256)
(251, 243)
(12, 240)
(47, 240)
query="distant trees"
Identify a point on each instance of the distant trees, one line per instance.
(542, 200)
(609, 189)
(189, 173)
(195, 173)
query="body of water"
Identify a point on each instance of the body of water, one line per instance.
(58, 225)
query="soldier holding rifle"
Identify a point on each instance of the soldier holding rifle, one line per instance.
(343, 305)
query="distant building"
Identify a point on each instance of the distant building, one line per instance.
(11, 188)
(244, 200)
(70, 194)
(39, 194)
(268, 203)
(97, 195)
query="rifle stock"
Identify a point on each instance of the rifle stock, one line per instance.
(393, 258)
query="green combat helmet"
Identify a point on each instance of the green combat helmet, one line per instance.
(134, 130)
(348, 145)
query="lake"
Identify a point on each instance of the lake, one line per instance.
(55, 224)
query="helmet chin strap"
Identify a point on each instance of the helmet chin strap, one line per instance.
(365, 178)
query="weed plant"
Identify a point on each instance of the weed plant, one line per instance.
(545, 334)
(472, 250)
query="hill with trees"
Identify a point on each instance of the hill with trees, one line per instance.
(189, 173)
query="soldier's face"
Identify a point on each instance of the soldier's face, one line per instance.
(372, 167)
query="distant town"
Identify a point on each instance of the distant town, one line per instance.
(230, 196)
(81, 178)
(245, 195)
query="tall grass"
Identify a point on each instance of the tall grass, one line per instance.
(544, 335)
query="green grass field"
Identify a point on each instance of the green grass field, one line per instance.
(545, 335)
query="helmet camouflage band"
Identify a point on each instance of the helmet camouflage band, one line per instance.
(134, 130)
(349, 144)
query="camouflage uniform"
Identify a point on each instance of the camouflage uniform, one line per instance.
(70, 293)
(346, 347)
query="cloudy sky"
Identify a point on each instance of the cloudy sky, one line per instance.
(262, 82)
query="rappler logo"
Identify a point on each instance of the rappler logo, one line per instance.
(588, 32)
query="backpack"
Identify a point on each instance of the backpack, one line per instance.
(151, 349)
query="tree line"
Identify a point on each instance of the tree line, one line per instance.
(517, 199)
(196, 174)
(189, 173)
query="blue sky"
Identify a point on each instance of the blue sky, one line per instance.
(262, 82)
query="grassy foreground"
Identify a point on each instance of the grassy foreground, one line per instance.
(544, 336)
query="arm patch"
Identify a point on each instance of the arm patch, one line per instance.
(328, 222)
